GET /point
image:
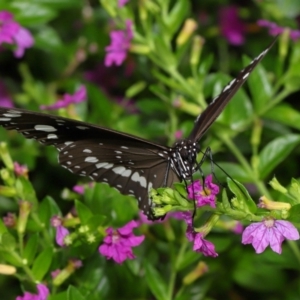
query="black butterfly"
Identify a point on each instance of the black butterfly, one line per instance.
(130, 164)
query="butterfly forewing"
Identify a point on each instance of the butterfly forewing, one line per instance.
(130, 164)
(214, 109)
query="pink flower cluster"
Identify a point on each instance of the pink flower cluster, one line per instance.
(13, 33)
(67, 99)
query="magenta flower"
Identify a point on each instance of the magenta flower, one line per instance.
(275, 29)
(12, 33)
(231, 26)
(207, 248)
(238, 228)
(5, 99)
(20, 170)
(116, 52)
(79, 189)
(79, 96)
(269, 232)
(121, 3)
(61, 231)
(178, 134)
(10, 220)
(118, 243)
(206, 196)
(43, 293)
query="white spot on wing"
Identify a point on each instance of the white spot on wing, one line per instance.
(104, 165)
(5, 119)
(12, 115)
(140, 179)
(87, 151)
(82, 127)
(52, 136)
(246, 75)
(91, 159)
(46, 128)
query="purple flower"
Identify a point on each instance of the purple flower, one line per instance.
(67, 99)
(10, 220)
(43, 293)
(79, 189)
(269, 232)
(274, 29)
(61, 231)
(200, 244)
(207, 248)
(206, 196)
(121, 3)
(116, 52)
(20, 170)
(118, 243)
(178, 134)
(12, 33)
(5, 100)
(238, 228)
(231, 26)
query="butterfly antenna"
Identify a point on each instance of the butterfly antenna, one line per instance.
(213, 163)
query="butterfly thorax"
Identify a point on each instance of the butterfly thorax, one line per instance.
(184, 156)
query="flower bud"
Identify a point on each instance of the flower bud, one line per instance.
(189, 27)
(277, 186)
(273, 205)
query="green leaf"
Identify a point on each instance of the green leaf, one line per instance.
(155, 282)
(3, 228)
(166, 57)
(176, 16)
(47, 39)
(260, 87)
(31, 248)
(28, 13)
(188, 259)
(11, 258)
(83, 211)
(47, 208)
(244, 199)
(8, 241)
(294, 213)
(275, 152)
(42, 264)
(284, 114)
(59, 296)
(74, 294)
(25, 190)
(234, 170)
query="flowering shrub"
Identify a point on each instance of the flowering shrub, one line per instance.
(150, 68)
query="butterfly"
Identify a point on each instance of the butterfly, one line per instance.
(128, 163)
